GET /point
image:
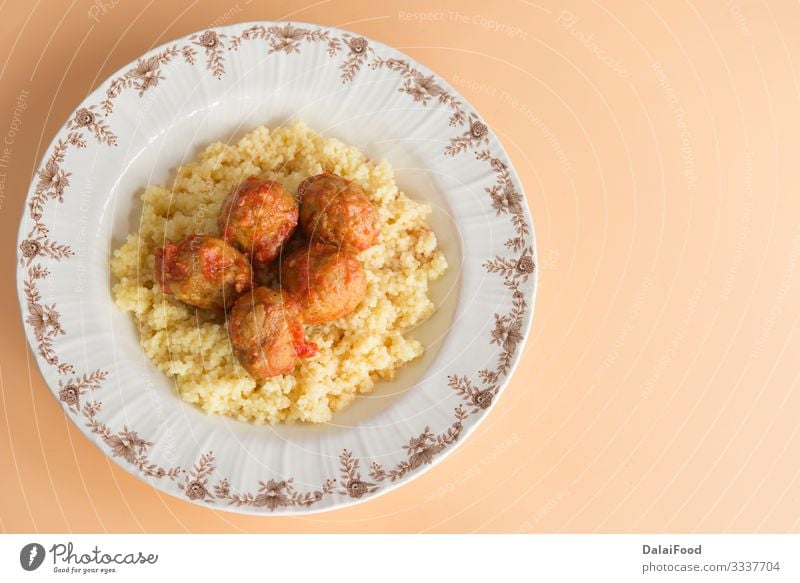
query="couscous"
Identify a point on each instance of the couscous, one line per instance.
(367, 345)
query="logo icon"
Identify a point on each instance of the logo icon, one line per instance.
(31, 556)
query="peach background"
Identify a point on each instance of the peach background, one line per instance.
(659, 150)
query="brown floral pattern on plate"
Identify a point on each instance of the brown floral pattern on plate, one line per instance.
(284, 38)
(86, 118)
(350, 481)
(146, 74)
(44, 319)
(476, 134)
(288, 38)
(421, 449)
(70, 392)
(358, 52)
(195, 484)
(127, 445)
(213, 44)
(273, 494)
(423, 88)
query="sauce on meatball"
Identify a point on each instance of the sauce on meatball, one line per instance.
(336, 211)
(328, 282)
(266, 331)
(258, 217)
(202, 271)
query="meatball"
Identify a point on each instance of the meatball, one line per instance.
(257, 217)
(203, 271)
(336, 211)
(328, 282)
(266, 332)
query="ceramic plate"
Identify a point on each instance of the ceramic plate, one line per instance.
(157, 113)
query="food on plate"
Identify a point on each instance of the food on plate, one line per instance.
(329, 282)
(337, 211)
(202, 271)
(266, 332)
(258, 217)
(195, 347)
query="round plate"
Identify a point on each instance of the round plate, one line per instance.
(157, 113)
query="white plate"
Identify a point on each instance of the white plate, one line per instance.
(155, 114)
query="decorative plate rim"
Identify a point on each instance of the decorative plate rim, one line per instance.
(126, 448)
